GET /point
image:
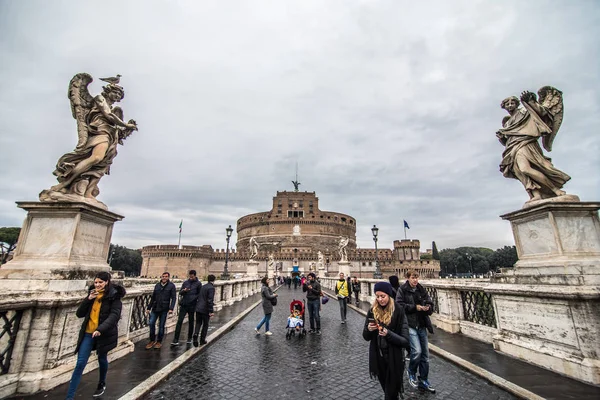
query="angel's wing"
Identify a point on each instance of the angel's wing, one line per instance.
(81, 104)
(551, 99)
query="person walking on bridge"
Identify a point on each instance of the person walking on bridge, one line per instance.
(204, 310)
(161, 305)
(356, 289)
(268, 297)
(188, 296)
(313, 300)
(418, 307)
(342, 291)
(101, 311)
(387, 331)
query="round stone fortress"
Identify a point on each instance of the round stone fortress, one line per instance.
(293, 238)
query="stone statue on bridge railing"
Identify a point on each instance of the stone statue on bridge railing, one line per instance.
(523, 158)
(253, 248)
(100, 128)
(342, 244)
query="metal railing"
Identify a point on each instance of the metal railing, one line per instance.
(478, 307)
(11, 321)
(432, 292)
(139, 319)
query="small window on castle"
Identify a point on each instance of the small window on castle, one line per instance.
(364, 264)
(370, 263)
(301, 204)
(343, 219)
(310, 203)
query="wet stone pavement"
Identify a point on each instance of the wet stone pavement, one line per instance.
(243, 365)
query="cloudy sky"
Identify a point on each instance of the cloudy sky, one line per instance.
(390, 108)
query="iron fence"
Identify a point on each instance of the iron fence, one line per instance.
(11, 321)
(139, 319)
(432, 292)
(478, 307)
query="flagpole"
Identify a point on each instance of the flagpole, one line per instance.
(180, 228)
(405, 232)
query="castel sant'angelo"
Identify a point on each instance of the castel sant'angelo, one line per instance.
(294, 237)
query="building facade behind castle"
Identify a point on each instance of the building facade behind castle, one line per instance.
(299, 238)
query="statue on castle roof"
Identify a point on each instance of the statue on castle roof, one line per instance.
(523, 158)
(100, 128)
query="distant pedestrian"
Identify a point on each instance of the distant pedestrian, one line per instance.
(204, 310)
(418, 307)
(288, 280)
(387, 331)
(342, 291)
(394, 281)
(101, 311)
(356, 289)
(267, 296)
(188, 296)
(161, 305)
(313, 301)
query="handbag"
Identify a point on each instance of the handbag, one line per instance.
(324, 299)
(274, 301)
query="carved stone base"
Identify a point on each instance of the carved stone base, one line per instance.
(557, 243)
(252, 268)
(50, 195)
(61, 240)
(344, 268)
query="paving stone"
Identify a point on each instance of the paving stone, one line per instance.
(243, 365)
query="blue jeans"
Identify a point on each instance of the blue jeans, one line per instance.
(419, 352)
(85, 350)
(313, 312)
(266, 320)
(162, 317)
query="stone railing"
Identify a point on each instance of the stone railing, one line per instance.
(39, 331)
(464, 306)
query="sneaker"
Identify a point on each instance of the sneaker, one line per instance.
(424, 385)
(311, 331)
(150, 345)
(343, 322)
(268, 333)
(318, 331)
(195, 341)
(412, 380)
(175, 344)
(203, 342)
(157, 345)
(189, 341)
(257, 331)
(100, 390)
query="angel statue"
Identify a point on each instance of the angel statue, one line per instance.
(523, 158)
(342, 248)
(100, 128)
(253, 247)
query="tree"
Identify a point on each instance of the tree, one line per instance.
(127, 260)
(434, 251)
(426, 256)
(456, 261)
(8, 241)
(505, 257)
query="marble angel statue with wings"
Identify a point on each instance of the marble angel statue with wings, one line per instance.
(100, 128)
(523, 158)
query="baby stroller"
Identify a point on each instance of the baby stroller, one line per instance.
(295, 322)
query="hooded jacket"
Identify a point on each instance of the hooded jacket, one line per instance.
(408, 298)
(108, 319)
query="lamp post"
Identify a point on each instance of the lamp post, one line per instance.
(469, 257)
(377, 274)
(225, 274)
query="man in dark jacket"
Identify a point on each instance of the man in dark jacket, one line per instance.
(161, 304)
(313, 296)
(204, 310)
(418, 307)
(356, 289)
(188, 296)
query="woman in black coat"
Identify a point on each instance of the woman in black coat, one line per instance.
(101, 311)
(387, 330)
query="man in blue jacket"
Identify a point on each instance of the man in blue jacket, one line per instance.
(204, 310)
(161, 304)
(188, 297)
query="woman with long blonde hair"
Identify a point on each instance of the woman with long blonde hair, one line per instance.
(386, 329)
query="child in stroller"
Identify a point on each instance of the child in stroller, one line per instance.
(295, 322)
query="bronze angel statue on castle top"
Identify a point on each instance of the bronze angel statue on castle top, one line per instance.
(100, 128)
(523, 158)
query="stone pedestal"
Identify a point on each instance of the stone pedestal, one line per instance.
(557, 243)
(547, 314)
(344, 268)
(61, 246)
(252, 268)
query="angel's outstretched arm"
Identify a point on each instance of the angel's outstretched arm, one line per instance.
(530, 99)
(106, 111)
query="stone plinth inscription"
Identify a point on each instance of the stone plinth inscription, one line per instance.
(578, 234)
(536, 237)
(49, 236)
(548, 321)
(90, 238)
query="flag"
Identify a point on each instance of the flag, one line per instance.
(406, 224)
(181, 224)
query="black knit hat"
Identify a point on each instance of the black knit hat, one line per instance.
(384, 287)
